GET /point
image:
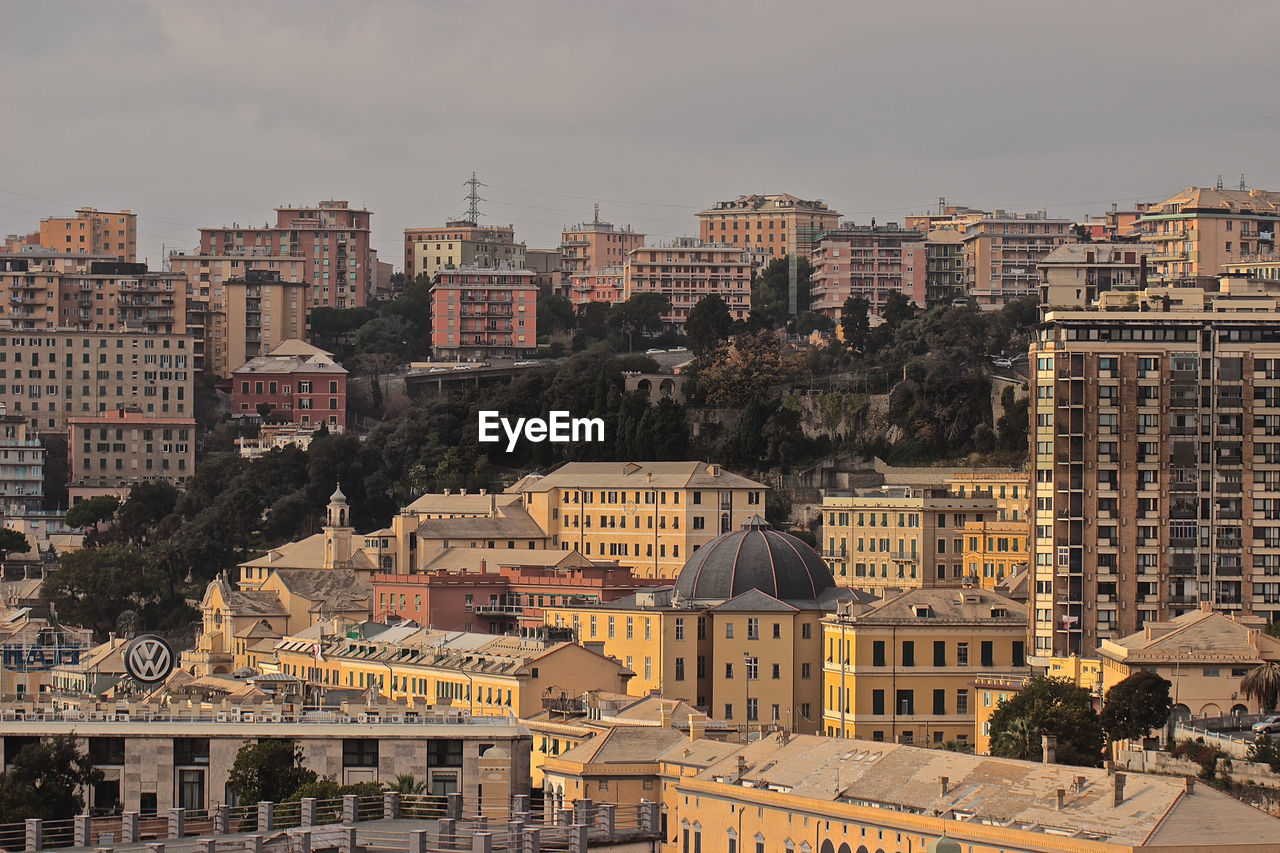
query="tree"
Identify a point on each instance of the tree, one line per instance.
(771, 293)
(408, 784)
(393, 335)
(855, 322)
(12, 542)
(1135, 706)
(897, 309)
(1263, 683)
(555, 314)
(93, 586)
(708, 323)
(268, 770)
(1049, 706)
(45, 781)
(93, 511)
(642, 313)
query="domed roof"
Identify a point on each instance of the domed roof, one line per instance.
(755, 557)
(337, 497)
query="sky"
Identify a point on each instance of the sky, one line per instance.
(204, 114)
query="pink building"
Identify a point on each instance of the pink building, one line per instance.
(331, 239)
(868, 261)
(479, 313)
(604, 285)
(686, 270)
(596, 245)
(295, 382)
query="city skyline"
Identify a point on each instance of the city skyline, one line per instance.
(212, 117)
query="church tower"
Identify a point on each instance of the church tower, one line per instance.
(338, 531)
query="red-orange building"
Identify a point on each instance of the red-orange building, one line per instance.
(868, 261)
(295, 381)
(332, 239)
(596, 245)
(509, 600)
(479, 312)
(778, 224)
(596, 286)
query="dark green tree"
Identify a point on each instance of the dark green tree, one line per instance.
(770, 293)
(45, 781)
(92, 511)
(392, 335)
(1049, 706)
(1135, 706)
(148, 504)
(855, 322)
(1011, 428)
(897, 309)
(592, 322)
(640, 315)
(708, 323)
(269, 770)
(555, 314)
(12, 542)
(93, 586)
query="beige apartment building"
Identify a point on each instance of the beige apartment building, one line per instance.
(591, 246)
(93, 232)
(458, 243)
(650, 515)
(122, 447)
(1074, 274)
(331, 238)
(898, 538)
(901, 670)
(218, 281)
(49, 376)
(868, 261)
(1001, 253)
(685, 270)
(778, 225)
(1197, 232)
(1156, 440)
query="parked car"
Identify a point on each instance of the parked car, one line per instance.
(1267, 725)
(1002, 362)
(654, 351)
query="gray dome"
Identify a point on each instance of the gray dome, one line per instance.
(755, 557)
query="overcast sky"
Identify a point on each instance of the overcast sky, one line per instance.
(201, 114)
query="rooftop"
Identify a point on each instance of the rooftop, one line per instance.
(1200, 635)
(640, 475)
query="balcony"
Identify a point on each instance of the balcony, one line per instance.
(512, 610)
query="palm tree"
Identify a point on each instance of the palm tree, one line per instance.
(1019, 740)
(1263, 683)
(407, 784)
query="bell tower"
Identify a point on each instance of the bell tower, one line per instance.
(338, 532)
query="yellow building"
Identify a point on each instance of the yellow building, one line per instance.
(1008, 487)
(93, 232)
(481, 674)
(902, 670)
(994, 551)
(652, 515)
(991, 690)
(897, 538)
(802, 794)
(739, 636)
(1202, 654)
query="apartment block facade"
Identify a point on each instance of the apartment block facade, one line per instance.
(1001, 252)
(121, 447)
(22, 458)
(602, 285)
(457, 244)
(1156, 441)
(49, 376)
(901, 670)
(1198, 231)
(894, 539)
(213, 280)
(110, 233)
(1072, 275)
(483, 312)
(944, 267)
(595, 245)
(685, 271)
(331, 239)
(868, 261)
(779, 225)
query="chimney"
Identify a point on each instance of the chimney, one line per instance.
(664, 716)
(1119, 789)
(742, 767)
(1062, 796)
(945, 780)
(1191, 785)
(1049, 744)
(1080, 780)
(697, 724)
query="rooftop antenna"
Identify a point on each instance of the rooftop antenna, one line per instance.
(473, 198)
(596, 220)
(1218, 185)
(942, 204)
(1242, 182)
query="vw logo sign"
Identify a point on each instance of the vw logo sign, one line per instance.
(148, 658)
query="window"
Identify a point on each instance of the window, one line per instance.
(906, 702)
(939, 652)
(777, 630)
(679, 627)
(988, 653)
(805, 631)
(877, 653)
(728, 630)
(877, 703)
(753, 628)
(962, 702)
(359, 752)
(679, 669)
(962, 654)
(939, 703)
(908, 653)
(753, 668)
